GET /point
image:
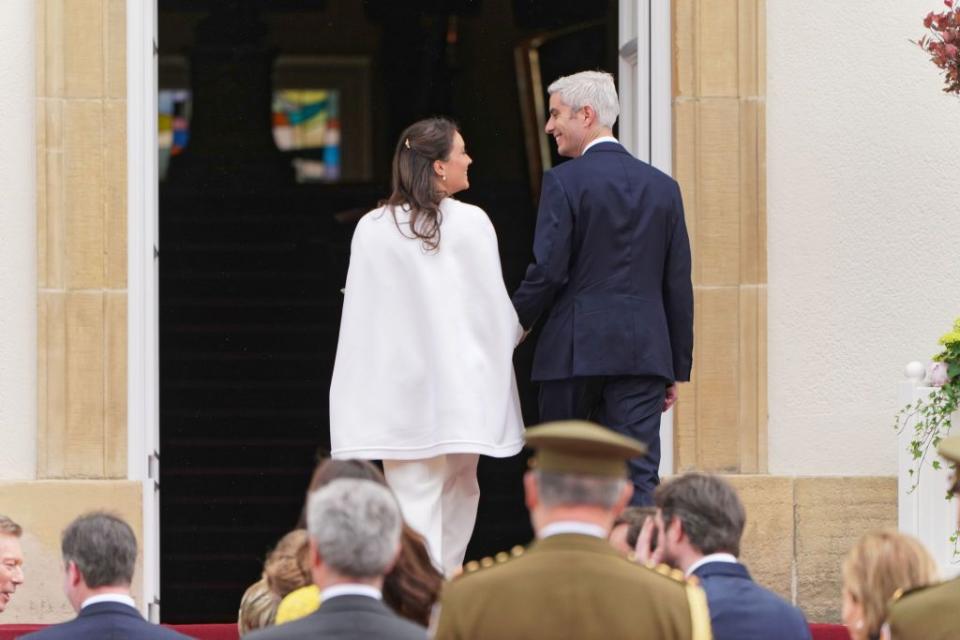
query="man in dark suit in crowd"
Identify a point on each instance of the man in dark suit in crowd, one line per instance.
(99, 552)
(699, 523)
(354, 528)
(11, 560)
(611, 272)
(572, 583)
(932, 612)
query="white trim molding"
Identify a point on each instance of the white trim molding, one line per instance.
(142, 287)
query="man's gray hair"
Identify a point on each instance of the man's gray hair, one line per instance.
(355, 525)
(589, 88)
(557, 489)
(9, 527)
(103, 547)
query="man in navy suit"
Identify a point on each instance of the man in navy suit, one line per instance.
(99, 552)
(354, 530)
(611, 274)
(699, 523)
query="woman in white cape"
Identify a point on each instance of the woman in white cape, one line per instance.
(424, 377)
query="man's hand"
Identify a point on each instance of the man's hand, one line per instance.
(643, 553)
(671, 398)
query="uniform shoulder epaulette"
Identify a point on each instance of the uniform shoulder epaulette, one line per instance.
(490, 561)
(674, 574)
(902, 593)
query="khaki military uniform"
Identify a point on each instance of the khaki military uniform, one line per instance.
(571, 586)
(927, 613)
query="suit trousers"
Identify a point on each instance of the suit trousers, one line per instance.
(630, 405)
(438, 498)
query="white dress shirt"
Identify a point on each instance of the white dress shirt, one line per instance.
(350, 589)
(109, 597)
(599, 140)
(572, 526)
(713, 557)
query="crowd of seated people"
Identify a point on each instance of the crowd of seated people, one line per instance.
(354, 569)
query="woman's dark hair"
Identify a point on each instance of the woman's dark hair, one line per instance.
(414, 181)
(413, 585)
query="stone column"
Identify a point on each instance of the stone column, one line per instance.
(718, 107)
(81, 238)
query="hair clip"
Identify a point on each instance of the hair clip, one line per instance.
(407, 143)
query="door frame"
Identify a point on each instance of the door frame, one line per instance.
(646, 114)
(646, 129)
(143, 388)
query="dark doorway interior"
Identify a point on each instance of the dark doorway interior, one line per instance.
(257, 208)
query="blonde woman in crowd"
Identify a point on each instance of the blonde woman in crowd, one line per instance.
(878, 565)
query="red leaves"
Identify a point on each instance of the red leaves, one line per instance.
(944, 30)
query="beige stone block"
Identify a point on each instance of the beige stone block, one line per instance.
(717, 48)
(115, 193)
(748, 387)
(762, 188)
(751, 252)
(115, 386)
(40, 47)
(685, 168)
(767, 544)
(685, 425)
(40, 161)
(684, 48)
(84, 438)
(717, 361)
(762, 47)
(51, 383)
(44, 509)
(762, 410)
(748, 47)
(51, 231)
(718, 192)
(83, 48)
(832, 513)
(52, 56)
(115, 48)
(83, 193)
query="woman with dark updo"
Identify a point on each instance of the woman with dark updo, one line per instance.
(424, 374)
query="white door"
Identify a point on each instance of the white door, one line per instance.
(143, 423)
(646, 123)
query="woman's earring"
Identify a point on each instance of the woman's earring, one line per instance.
(443, 177)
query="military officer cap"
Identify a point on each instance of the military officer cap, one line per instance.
(950, 448)
(578, 446)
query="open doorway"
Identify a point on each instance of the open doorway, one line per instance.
(277, 123)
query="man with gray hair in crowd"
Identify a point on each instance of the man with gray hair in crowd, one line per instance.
(354, 528)
(11, 560)
(699, 523)
(99, 554)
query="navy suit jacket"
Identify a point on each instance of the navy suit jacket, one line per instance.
(106, 621)
(611, 269)
(347, 617)
(740, 609)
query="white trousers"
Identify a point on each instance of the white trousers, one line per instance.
(438, 498)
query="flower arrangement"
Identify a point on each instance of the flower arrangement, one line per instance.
(942, 42)
(934, 414)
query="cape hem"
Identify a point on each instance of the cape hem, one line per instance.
(422, 453)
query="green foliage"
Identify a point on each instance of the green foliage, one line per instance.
(933, 416)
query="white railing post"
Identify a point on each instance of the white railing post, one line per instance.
(922, 508)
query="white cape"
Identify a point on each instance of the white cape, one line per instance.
(425, 358)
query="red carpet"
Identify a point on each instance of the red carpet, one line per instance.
(229, 631)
